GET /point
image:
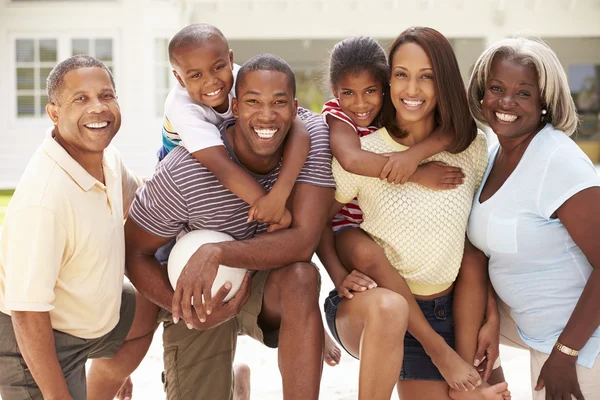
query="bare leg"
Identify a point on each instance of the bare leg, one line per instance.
(241, 373)
(106, 376)
(332, 353)
(357, 251)
(497, 376)
(372, 326)
(291, 303)
(423, 390)
(498, 391)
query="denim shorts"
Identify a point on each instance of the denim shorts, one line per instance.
(417, 365)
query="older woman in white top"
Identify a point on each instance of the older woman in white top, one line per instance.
(537, 219)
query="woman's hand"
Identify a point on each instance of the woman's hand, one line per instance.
(437, 175)
(488, 348)
(559, 377)
(355, 281)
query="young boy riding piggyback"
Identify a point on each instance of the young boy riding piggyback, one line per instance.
(203, 65)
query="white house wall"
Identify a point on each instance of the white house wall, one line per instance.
(133, 25)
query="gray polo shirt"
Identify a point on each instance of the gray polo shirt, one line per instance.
(183, 195)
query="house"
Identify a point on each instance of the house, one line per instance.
(131, 36)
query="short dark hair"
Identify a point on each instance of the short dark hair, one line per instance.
(356, 55)
(266, 62)
(452, 111)
(56, 78)
(194, 35)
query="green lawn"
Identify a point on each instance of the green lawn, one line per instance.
(5, 196)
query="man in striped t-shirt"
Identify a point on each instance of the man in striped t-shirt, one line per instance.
(281, 310)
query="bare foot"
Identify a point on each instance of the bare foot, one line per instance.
(457, 373)
(332, 351)
(484, 392)
(241, 374)
(126, 390)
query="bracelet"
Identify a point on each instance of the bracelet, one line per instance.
(566, 350)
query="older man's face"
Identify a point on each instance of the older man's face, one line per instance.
(265, 109)
(88, 114)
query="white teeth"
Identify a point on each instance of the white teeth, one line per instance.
(362, 115)
(413, 103)
(506, 117)
(216, 92)
(97, 125)
(265, 133)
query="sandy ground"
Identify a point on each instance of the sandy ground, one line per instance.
(338, 383)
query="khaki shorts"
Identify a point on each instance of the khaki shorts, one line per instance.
(199, 364)
(16, 382)
(589, 379)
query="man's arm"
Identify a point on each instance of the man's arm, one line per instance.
(151, 279)
(310, 207)
(35, 338)
(142, 268)
(31, 273)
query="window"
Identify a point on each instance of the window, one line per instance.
(162, 71)
(35, 58)
(102, 49)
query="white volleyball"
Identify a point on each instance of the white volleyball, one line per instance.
(187, 245)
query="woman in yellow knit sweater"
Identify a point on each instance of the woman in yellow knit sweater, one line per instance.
(418, 240)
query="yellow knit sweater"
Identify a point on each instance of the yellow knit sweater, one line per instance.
(422, 231)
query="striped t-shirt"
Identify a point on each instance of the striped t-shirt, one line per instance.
(350, 214)
(183, 195)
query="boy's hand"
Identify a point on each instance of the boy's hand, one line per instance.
(283, 223)
(399, 168)
(437, 175)
(268, 209)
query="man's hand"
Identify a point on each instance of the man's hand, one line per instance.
(399, 168)
(488, 348)
(559, 376)
(221, 311)
(355, 281)
(195, 284)
(268, 209)
(438, 176)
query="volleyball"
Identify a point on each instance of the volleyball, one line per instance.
(187, 245)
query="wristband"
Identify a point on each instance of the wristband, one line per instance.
(566, 350)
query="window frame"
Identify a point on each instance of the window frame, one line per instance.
(64, 50)
(159, 111)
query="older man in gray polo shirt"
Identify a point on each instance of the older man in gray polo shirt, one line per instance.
(281, 308)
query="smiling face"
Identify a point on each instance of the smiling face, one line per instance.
(87, 115)
(360, 97)
(206, 72)
(511, 104)
(412, 87)
(265, 108)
